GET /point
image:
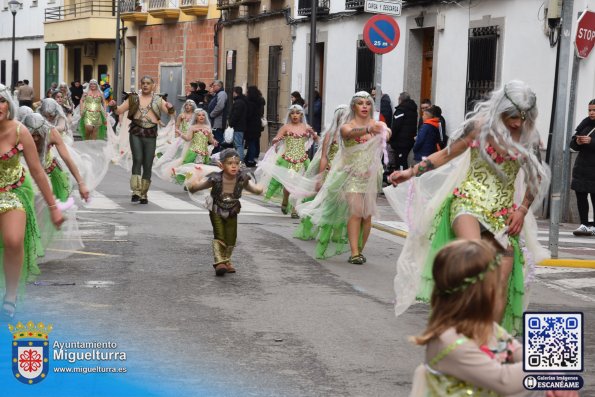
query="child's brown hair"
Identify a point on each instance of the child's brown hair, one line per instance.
(466, 291)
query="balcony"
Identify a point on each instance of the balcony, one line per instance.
(164, 9)
(227, 4)
(354, 4)
(195, 7)
(133, 11)
(80, 21)
(305, 7)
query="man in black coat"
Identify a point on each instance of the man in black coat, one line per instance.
(404, 129)
(237, 119)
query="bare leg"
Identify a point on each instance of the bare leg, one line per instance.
(354, 225)
(467, 227)
(89, 132)
(94, 132)
(12, 226)
(367, 228)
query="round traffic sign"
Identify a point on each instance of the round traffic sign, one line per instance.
(381, 34)
(585, 34)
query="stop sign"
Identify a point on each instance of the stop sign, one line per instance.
(585, 34)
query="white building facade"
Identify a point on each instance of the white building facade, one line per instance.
(450, 53)
(30, 49)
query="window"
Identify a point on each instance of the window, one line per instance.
(33, 3)
(365, 65)
(3, 72)
(481, 64)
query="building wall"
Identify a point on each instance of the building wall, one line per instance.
(29, 36)
(187, 43)
(526, 55)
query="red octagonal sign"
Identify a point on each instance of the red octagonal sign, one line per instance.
(585, 34)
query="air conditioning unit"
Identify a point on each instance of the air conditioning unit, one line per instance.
(90, 49)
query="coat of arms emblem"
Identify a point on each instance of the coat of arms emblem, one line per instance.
(30, 351)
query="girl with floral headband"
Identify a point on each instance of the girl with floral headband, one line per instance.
(21, 245)
(467, 352)
(496, 151)
(289, 150)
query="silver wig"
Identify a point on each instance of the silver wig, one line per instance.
(38, 126)
(195, 116)
(23, 112)
(294, 108)
(514, 99)
(354, 99)
(12, 106)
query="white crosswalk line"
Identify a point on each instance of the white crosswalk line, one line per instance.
(169, 202)
(575, 283)
(101, 202)
(576, 240)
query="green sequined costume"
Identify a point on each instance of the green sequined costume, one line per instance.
(93, 115)
(294, 158)
(59, 179)
(16, 193)
(489, 199)
(198, 152)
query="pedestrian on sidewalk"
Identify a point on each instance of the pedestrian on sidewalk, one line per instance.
(474, 199)
(238, 119)
(254, 124)
(583, 173)
(217, 109)
(467, 352)
(428, 136)
(224, 205)
(404, 130)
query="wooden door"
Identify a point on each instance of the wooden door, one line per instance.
(426, 63)
(36, 76)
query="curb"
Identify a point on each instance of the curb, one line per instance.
(565, 262)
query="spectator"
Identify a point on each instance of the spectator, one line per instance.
(202, 94)
(254, 125)
(25, 94)
(53, 86)
(428, 136)
(404, 129)
(193, 94)
(386, 107)
(316, 118)
(76, 93)
(583, 173)
(217, 110)
(296, 99)
(425, 104)
(441, 128)
(237, 120)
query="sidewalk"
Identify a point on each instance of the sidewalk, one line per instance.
(572, 251)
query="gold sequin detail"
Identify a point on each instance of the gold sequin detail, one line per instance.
(200, 143)
(359, 163)
(11, 171)
(295, 152)
(93, 106)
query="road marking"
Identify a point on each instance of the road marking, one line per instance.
(543, 270)
(575, 283)
(80, 252)
(101, 202)
(250, 207)
(169, 202)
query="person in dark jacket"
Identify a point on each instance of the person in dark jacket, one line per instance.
(317, 113)
(583, 173)
(76, 92)
(404, 129)
(237, 120)
(428, 136)
(254, 125)
(386, 107)
(441, 127)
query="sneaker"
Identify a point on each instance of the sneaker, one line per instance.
(583, 230)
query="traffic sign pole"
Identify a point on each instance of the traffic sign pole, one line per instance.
(378, 82)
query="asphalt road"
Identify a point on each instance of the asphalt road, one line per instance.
(284, 325)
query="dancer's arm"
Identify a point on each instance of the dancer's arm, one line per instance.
(324, 154)
(212, 139)
(194, 187)
(434, 160)
(178, 122)
(253, 188)
(103, 111)
(82, 108)
(280, 135)
(312, 133)
(167, 107)
(38, 174)
(56, 139)
(118, 109)
(187, 136)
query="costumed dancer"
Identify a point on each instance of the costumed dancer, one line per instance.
(474, 197)
(67, 104)
(348, 197)
(467, 352)
(183, 121)
(51, 110)
(23, 112)
(144, 112)
(93, 122)
(224, 205)
(319, 168)
(290, 149)
(21, 244)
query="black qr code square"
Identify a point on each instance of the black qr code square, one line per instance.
(553, 342)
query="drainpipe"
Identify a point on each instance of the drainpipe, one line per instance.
(217, 27)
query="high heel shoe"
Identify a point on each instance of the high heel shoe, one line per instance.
(7, 314)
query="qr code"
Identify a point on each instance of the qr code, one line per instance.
(553, 342)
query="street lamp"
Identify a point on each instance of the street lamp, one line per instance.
(13, 6)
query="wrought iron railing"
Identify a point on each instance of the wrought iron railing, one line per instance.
(81, 9)
(193, 3)
(131, 6)
(354, 4)
(161, 4)
(305, 7)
